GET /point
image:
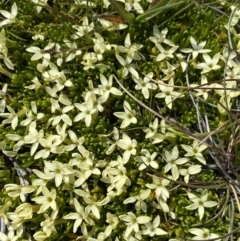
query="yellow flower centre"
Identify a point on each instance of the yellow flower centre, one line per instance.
(195, 151)
(205, 235)
(129, 148)
(129, 116)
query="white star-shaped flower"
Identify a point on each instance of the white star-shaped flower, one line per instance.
(200, 203)
(127, 116)
(10, 17)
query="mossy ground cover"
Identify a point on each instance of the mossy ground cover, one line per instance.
(119, 120)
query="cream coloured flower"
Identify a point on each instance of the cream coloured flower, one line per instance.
(153, 229)
(127, 116)
(9, 237)
(195, 150)
(144, 84)
(87, 110)
(106, 88)
(160, 37)
(173, 161)
(147, 159)
(15, 190)
(79, 216)
(129, 145)
(10, 118)
(127, 66)
(200, 203)
(47, 200)
(133, 222)
(168, 93)
(203, 234)
(10, 17)
(209, 64)
(196, 48)
(194, 169)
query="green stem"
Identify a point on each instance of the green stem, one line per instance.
(206, 185)
(5, 72)
(208, 134)
(60, 221)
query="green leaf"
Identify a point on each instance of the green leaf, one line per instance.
(160, 3)
(128, 17)
(155, 10)
(179, 12)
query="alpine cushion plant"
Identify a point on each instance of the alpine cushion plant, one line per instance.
(112, 116)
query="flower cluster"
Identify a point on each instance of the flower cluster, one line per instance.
(104, 121)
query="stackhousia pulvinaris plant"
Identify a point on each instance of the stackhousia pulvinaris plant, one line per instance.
(119, 120)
